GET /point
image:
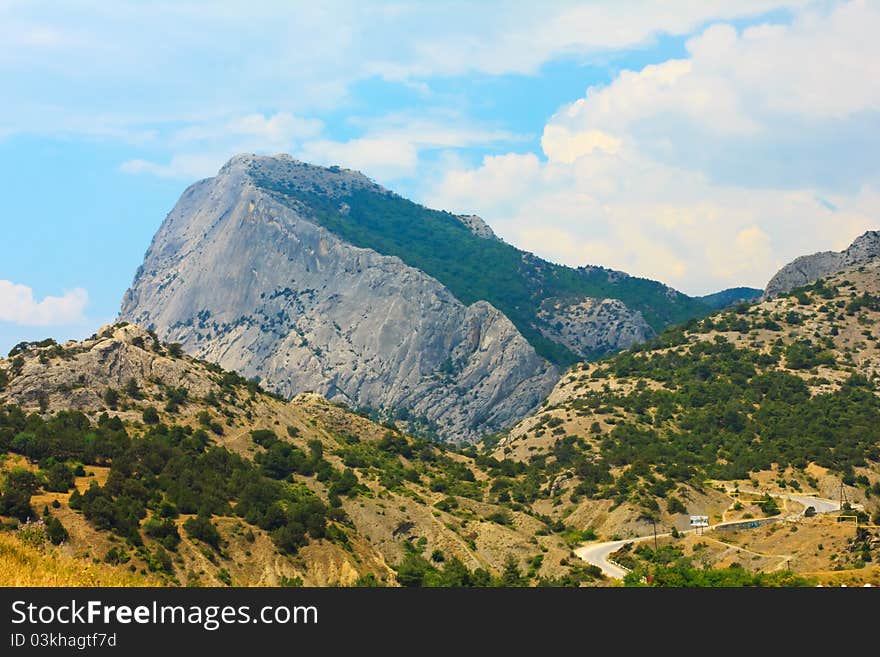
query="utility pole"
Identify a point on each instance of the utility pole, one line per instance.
(654, 522)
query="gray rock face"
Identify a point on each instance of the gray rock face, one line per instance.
(478, 227)
(589, 326)
(77, 379)
(241, 280)
(806, 269)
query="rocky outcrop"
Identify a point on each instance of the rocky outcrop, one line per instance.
(76, 375)
(242, 280)
(806, 269)
(590, 326)
(477, 226)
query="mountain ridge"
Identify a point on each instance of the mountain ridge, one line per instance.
(808, 268)
(315, 278)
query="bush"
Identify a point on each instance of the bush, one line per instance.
(111, 398)
(675, 505)
(55, 531)
(164, 531)
(160, 561)
(59, 479)
(150, 415)
(502, 517)
(132, 389)
(768, 506)
(202, 529)
(116, 556)
(264, 437)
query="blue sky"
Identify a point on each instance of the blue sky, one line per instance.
(703, 144)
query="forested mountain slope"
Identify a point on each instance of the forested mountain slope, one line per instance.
(317, 279)
(782, 393)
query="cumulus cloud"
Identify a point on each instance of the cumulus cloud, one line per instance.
(382, 157)
(204, 147)
(65, 62)
(17, 305)
(708, 171)
(782, 105)
(633, 213)
(392, 146)
(562, 145)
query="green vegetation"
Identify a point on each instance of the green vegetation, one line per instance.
(722, 299)
(722, 412)
(668, 567)
(169, 469)
(515, 282)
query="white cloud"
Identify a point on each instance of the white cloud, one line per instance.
(202, 148)
(562, 145)
(380, 157)
(520, 37)
(280, 129)
(704, 172)
(17, 305)
(392, 145)
(629, 212)
(63, 63)
(777, 105)
(186, 167)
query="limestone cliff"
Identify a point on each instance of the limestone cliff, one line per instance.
(590, 326)
(806, 269)
(238, 278)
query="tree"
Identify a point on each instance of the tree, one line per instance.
(16, 502)
(16, 498)
(111, 398)
(150, 415)
(132, 389)
(511, 575)
(675, 505)
(55, 531)
(59, 478)
(412, 570)
(768, 506)
(203, 529)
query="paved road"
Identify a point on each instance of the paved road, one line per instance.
(597, 553)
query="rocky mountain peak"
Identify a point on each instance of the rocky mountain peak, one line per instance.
(806, 269)
(243, 274)
(866, 247)
(477, 226)
(283, 172)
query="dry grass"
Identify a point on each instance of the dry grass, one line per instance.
(24, 565)
(849, 577)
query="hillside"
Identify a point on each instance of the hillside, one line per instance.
(724, 298)
(130, 455)
(778, 396)
(807, 269)
(142, 462)
(472, 265)
(317, 279)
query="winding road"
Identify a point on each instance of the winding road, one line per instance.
(597, 553)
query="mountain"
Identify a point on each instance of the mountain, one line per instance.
(312, 278)
(138, 464)
(778, 396)
(729, 297)
(806, 269)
